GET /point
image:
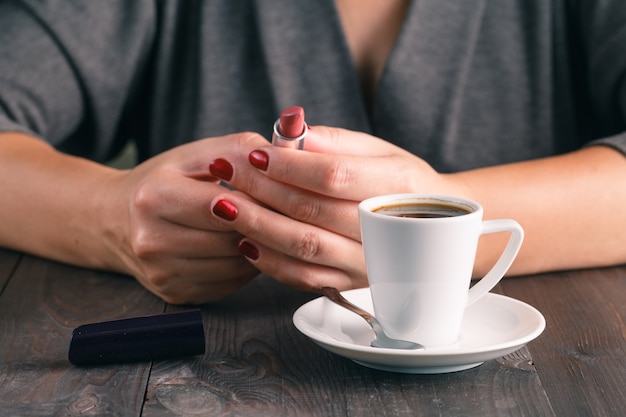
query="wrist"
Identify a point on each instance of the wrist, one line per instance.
(108, 220)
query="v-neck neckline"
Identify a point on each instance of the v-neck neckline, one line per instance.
(432, 53)
(309, 64)
(369, 92)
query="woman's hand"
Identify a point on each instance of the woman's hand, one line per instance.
(153, 222)
(168, 238)
(306, 232)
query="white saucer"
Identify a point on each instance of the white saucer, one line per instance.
(492, 327)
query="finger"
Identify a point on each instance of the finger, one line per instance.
(194, 158)
(200, 280)
(298, 274)
(170, 240)
(341, 176)
(325, 139)
(285, 235)
(168, 196)
(337, 215)
(333, 214)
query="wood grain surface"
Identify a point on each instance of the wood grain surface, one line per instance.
(39, 308)
(581, 356)
(257, 363)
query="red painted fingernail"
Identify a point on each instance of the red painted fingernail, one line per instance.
(226, 210)
(222, 169)
(259, 160)
(248, 250)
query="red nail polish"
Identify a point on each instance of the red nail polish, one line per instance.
(259, 160)
(226, 210)
(222, 169)
(248, 250)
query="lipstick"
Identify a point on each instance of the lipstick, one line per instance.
(290, 129)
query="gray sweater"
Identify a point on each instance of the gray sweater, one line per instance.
(469, 83)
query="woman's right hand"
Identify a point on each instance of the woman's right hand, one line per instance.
(163, 230)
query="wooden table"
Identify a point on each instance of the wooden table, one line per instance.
(258, 364)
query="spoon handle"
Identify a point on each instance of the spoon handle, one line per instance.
(334, 295)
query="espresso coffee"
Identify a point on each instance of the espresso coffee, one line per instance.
(424, 210)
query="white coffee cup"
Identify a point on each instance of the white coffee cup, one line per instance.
(420, 269)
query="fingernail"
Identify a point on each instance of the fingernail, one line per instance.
(259, 160)
(248, 250)
(226, 210)
(222, 169)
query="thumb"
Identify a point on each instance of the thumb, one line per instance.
(335, 140)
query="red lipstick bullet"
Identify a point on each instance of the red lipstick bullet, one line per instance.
(290, 129)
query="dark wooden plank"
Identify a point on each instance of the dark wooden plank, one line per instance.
(258, 364)
(40, 306)
(8, 263)
(581, 357)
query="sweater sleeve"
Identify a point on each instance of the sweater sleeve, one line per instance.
(603, 36)
(70, 69)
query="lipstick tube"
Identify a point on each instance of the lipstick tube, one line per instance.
(290, 129)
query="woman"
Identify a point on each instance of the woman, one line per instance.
(519, 105)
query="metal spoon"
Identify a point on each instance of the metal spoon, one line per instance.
(381, 340)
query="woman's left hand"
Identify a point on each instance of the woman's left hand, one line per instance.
(298, 210)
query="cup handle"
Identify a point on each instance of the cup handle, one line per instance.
(506, 259)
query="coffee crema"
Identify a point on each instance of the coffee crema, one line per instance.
(421, 210)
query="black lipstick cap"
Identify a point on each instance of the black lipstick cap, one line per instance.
(139, 339)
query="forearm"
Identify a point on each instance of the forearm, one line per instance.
(570, 206)
(54, 204)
